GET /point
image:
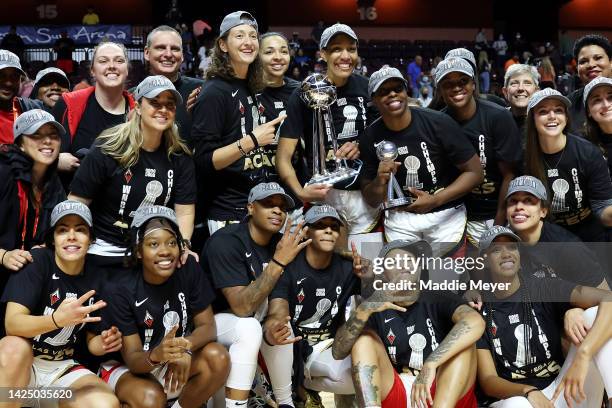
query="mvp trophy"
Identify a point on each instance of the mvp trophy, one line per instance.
(318, 93)
(387, 151)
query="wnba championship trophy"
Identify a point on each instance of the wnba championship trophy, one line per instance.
(387, 151)
(318, 94)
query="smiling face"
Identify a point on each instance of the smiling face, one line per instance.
(457, 90)
(160, 253)
(593, 62)
(524, 212)
(50, 91)
(324, 234)
(110, 66)
(71, 237)
(274, 54)
(10, 81)
(391, 98)
(158, 113)
(503, 258)
(519, 90)
(242, 45)
(165, 54)
(43, 146)
(268, 214)
(599, 104)
(341, 57)
(550, 118)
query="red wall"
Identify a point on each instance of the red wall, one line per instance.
(587, 14)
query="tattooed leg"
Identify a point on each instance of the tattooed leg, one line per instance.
(372, 371)
(455, 378)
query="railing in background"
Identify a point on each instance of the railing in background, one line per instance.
(79, 54)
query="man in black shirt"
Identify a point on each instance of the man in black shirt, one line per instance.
(520, 82)
(245, 261)
(64, 46)
(407, 346)
(312, 296)
(593, 54)
(493, 133)
(164, 56)
(49, 303)
(437, 164)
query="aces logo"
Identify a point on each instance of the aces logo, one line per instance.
(54, 297)
(148, 320)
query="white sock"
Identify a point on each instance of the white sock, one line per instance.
(176, 405)
(230, 403)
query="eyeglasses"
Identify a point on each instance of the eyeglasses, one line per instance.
(380, 92)
(322, 225)
(170, 105)
(461, 83)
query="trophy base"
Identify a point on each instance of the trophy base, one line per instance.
(335, 177)
(397, 202)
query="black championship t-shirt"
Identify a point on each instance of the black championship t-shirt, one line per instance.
(577, 112)
(505, 336)
(577, 176)
(224, 112)
(116, 193)
(411, 336)
(231, 258)
(559, 253)
(317, 297)
(606, 143)
(429, 151)
(495, 137)
(151, 311)
(350, 114)
(41, 287)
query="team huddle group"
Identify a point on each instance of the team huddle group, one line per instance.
(162, 246)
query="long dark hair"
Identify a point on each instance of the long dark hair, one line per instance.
(221, 67)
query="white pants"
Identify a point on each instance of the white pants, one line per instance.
(45, 373)
(442, 229)
(598, 377)
(475, 229)
(323, 373)
(360, 217)
(214, 225)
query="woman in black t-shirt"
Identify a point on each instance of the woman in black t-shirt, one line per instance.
(166, 318)
(598, 105)
(573, 169)
(520, 360)
(137, 164)
(226, 131)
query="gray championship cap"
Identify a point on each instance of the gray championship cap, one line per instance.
(70, 207)
(318, 212)
(547, 93)
(235, 19)
(383, 74)
(487, 237)
(265, 190)
(453, 64)
(153, 85)
(337, 28)
(144, 214)
(596, 83)
(30, 121)
(417, 248)
(462, 53)
(528, 184)
(52, 71)
(10, 60)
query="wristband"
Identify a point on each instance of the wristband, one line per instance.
(53, 318)
(278, 263)
(3, 255)
(526, 395)
(254, 139)
(242, 152)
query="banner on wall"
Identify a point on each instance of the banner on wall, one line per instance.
(81, 34)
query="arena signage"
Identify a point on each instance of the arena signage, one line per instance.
(82, 35)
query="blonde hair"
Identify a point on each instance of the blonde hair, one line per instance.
(123, 142)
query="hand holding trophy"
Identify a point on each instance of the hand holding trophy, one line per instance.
(387, 151)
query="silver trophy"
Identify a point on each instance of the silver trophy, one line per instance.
(318, 94)
(387, 151)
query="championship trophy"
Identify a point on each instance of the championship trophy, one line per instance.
(318, 94)
(387, 151)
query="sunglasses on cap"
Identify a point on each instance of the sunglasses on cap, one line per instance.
(322, 225)
(384, 91)
(461, 83)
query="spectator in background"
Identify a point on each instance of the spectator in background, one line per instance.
(174, 15)
(514, 60)
(554, 55)
(302, 60)
(64, 46)
(316, 32)
(49, 86)
(481, 40)
(13, 42)
(519, 45)
(414, 74)
(501, 48)
(547, 73)
(91, 18)
(484, 67)
(296, 42)
(82, 84)
(361, 68)
(296, 73)
(424, 98)
(593, 54)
